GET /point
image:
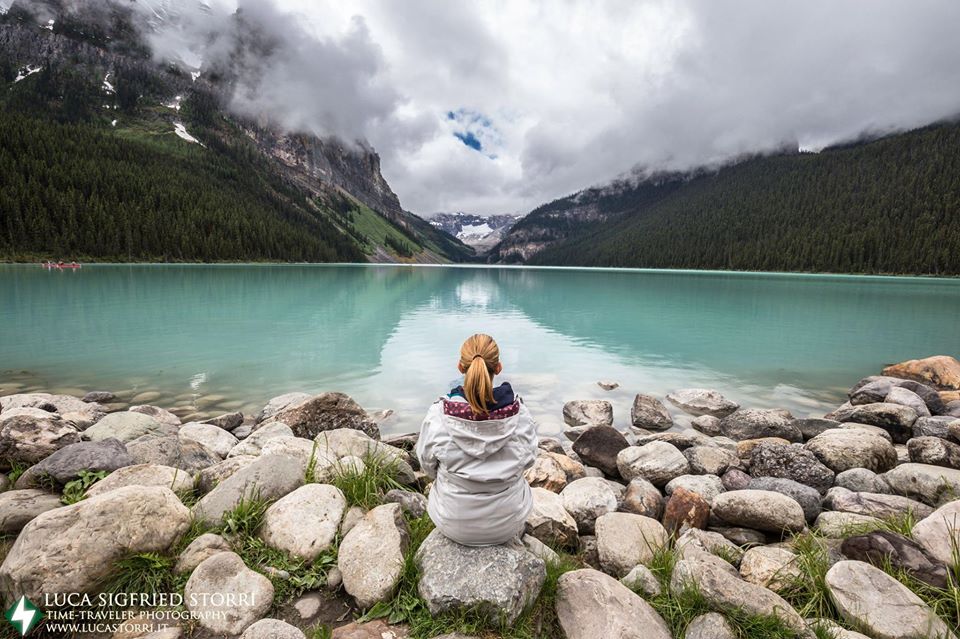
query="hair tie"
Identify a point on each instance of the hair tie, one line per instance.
(478, 355)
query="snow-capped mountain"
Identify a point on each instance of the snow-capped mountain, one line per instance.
(478, 231)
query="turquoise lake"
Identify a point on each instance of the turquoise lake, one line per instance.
(210, 338)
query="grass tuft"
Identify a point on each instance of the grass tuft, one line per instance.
(365, 488)
(76, 490)
(900, 523)
(17, 468)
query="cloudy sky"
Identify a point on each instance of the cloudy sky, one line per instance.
(500, 105)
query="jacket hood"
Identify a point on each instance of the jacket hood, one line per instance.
(481, 438)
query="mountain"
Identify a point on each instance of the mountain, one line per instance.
(108, 154)
(887, 205)
(478, 231)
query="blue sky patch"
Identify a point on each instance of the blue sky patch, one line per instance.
(473, 128)
(469, 139)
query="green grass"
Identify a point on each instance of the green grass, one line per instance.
(143, 572)
(320, 631)
(17, 468)
(367, 487)
(901, 524)
(76, 490)
(808, 592)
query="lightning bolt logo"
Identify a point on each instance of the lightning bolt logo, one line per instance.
(23, 615)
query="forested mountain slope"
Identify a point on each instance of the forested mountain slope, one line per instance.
(891, 205)
(106, 154)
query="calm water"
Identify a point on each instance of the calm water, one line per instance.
(228, 337)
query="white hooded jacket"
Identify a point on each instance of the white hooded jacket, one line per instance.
(479, 496)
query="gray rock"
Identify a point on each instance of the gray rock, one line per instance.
(873, 504)
(710, 460)
(267, 478)
(512, 578)
(29, 439)
(347, 442)
(895, 419)
(838, 525)
(608, 385)
(540, 550)
(126, 427)
(69, 408)
(745, 537)
(934, 451)
(304, 523)
(886, 609)
(707, 424)
(326, 411)
(66, 464)
(625, 539)
(754, 423)
(599, 446)
(711, 625)
(642, 581)
(204, 546)
(707, 486)
(735, 479)
(772, 567)
(861, 480)
(227, 421)
(681, 440)
(591, 605)
(939, 533)
(871, 390)
(19, 507)
(812, 426)
(883, 547)
(213, 437)
(842, 449)
(727, 593)
(280, 402)
(588, 412)
(208, 478)
(159, 414)
(371, 555)
(933, 485)
(905, 397)
(792, 462)
(549, 522)
(702, 401)
(759, 509)
(225, 596)
(143, 475)
(242, 432)
(253, 444)
(650, 413)
(657, 462)
(937, 426)
(73, 548)
(807, 497)
(695, 542)
(588, 498)
(272, 629)
(642, 498)
(98, 397)
(413, 503)
(187, 455)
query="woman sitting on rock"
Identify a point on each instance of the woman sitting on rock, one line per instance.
(476, 442)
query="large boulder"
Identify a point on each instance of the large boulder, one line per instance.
(810, 427)
(591, 605)
(649, 412)
(512, 578)
(658, 462)
(702, 401)
(277, 404)
(937, 426)
(932, 485)
(225, 596)
(588, 412)
(72, 549)
(254, 443)
(143, 475)
(371, 555)
(759, 509)
(67, 463)
(546, 472)
(625, 540)
(790, 462)
(897, 420)
(208, 478)
(326, 411)
(807, 497)
(226, 421)
(588, 498)
(170, 450)
(906, 397)
(861, 480)
(127, 426)
(934, 451)
(883, 547)
(19, 507)
(548, 521)
(268, 478)
(841, 449)
(70, 408)
(939, 533)
(754, 423)
(869, 598)
(307, 451)
(834, 524)
(710, 460)
(304, 523)
(213, 437)
(727, 592)
(873, 504)
(642, 498)
(939, 371)
(161, 415)
(348, 442)
(599, 446)
(29, 439)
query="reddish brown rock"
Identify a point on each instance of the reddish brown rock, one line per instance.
(685, 508)
(940, 371)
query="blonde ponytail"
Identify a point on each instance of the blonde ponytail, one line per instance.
(479, 358)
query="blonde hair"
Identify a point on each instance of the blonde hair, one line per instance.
(479, 357)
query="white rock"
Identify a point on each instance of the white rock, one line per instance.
(225, 596)
(143, 475)
(586, 499)
(371, 555)
(625, 539)
(939, 533)
(304, 523)
(658, 462)
(592, 605)
(213, 437)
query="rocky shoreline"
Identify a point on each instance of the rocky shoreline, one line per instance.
(302, 522)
